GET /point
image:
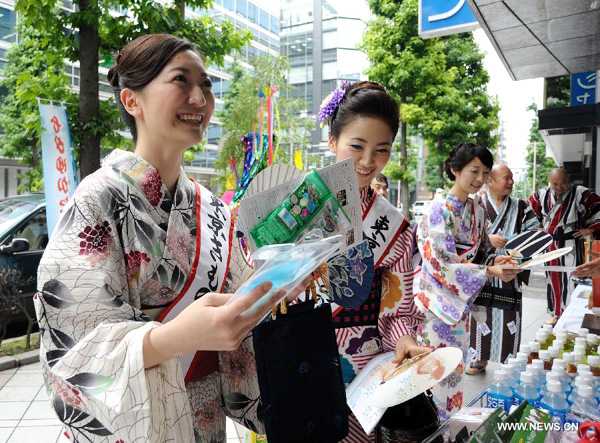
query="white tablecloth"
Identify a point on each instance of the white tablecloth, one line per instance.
(573, 314)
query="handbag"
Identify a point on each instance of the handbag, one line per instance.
(411, 421)
(303, 396)
(501, 298)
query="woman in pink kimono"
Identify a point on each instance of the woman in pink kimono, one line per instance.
(140, 242)
(453, 244)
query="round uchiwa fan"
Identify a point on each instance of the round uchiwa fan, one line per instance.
(351, 276)
(528, 244)
(272, 176)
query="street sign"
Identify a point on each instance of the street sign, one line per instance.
(444, 17)
(583, 88)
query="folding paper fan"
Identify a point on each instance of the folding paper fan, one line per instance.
(272, 176)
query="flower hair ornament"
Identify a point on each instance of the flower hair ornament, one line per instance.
(332, 102)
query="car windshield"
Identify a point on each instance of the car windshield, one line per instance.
(12, 212)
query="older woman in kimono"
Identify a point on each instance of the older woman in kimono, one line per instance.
(139, 240)
(453, 243)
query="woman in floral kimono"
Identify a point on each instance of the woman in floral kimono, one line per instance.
(371, 285)
(453, 243)
(140, 241)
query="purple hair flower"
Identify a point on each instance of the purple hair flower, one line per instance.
(332, 102)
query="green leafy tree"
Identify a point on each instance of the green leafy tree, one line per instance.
(92, 32)
(465, 111)
(412, 69)
(543, 164)
(241, 107)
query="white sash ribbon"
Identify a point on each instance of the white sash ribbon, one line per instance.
(381, 225)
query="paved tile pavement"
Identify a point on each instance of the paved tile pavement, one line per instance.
(26, 415)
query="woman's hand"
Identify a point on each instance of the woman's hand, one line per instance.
(590, 269)
(584, 232)
(209, 324)
(498, 241)
(504, 268)
(407, 347)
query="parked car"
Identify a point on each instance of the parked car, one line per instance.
(419, 207)
(23, 238)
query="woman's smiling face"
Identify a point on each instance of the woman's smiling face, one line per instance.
(368, 142)
(472, 176)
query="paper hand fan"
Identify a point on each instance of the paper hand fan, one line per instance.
(528, 244)
(407, 380)
(543, 258)
(272, 176)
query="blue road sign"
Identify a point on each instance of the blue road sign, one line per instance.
(583, 88)
(444, 17)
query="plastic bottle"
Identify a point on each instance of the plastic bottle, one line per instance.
(592, 340)
(539, 364)
(534, 347)
(527, 391)
(565, 380)
(545, 357)
(571, 367)
(511, 375)
(579, 382)
(583, 332)
(538, 377)
(499, 394)
(523, 360)
(541, 336)
(584, 408)
(550, 376)
(555, 402)
(554, 352)
(524, 348)
(550, 331)
(583, 368)
(578, 356)
(594, 362)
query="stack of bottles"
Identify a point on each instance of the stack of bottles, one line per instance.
(559, 372)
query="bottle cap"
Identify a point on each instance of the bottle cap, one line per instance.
(578, 356)
(569, 357)
(581, 341)
(583, 332)
(594, 361)
(511, 360)
(525, 349)
(500, 375)
(537, 363)
(544, 354)
(541, 336)
(534, 346)
(554, 351)
(591, 339)
(547, 328)
(554, 386)
(582, 368)
(558, 369)
(532, 369)
(526, 377)
(506, 368)
(580, 381)
(585, 391)
(552, 376)
(562, 334)
(521, 356)
(559, 343)
(588, 377)
(579, 348)
(559, 362)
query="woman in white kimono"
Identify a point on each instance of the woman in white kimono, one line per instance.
(453, 243)
(139, 240)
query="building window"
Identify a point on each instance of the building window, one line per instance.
(264, 19)
(228, 4)
(240, 7)
(274, 25)
(252, 12)
(7, 25)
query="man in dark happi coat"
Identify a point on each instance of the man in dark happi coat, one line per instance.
(569, 212)
(499, 337)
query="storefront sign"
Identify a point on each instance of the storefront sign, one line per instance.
(444, 17)
(583, 88)
(60, 174)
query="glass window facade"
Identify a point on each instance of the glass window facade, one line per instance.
(8, 20)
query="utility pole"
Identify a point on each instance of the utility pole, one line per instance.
(534, 165)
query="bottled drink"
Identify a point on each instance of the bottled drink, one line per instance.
(554, 352)
(581, 368)
(534, 347)
(523, 359)
(594, 362)
(545, 357)
(541, 336)
(584, 408)
(571, 367)
(583, 332)
(563, 376)
(592, 340)
(579, 381)
(549, 329)
(539, 364)
(538, 378)
(555, 402)
(499, 394)
(527, 391)
(511, 375)
(578, 356)
(550, 376)
(524, 348)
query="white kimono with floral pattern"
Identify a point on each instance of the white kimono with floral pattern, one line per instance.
(123, 245)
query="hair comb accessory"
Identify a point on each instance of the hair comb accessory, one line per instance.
(332, 102)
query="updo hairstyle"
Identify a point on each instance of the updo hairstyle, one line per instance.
(462, 154)
(365, 99)
(140, 62)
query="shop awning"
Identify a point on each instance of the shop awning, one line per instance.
(542, 38)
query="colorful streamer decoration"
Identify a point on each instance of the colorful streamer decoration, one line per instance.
(261, 145)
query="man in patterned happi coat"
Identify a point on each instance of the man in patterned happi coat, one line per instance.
(569, 212)
(499, 337)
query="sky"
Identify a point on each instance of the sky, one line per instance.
(514, 97)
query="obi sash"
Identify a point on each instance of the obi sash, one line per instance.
(214, 235)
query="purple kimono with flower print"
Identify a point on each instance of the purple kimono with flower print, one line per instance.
(123, 246)
(453, 244)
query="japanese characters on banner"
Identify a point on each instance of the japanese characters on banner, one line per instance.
(583, 88)
(60, 174)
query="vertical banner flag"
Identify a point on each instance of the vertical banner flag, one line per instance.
(444, 17)
(583, 88)
(60, 171)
